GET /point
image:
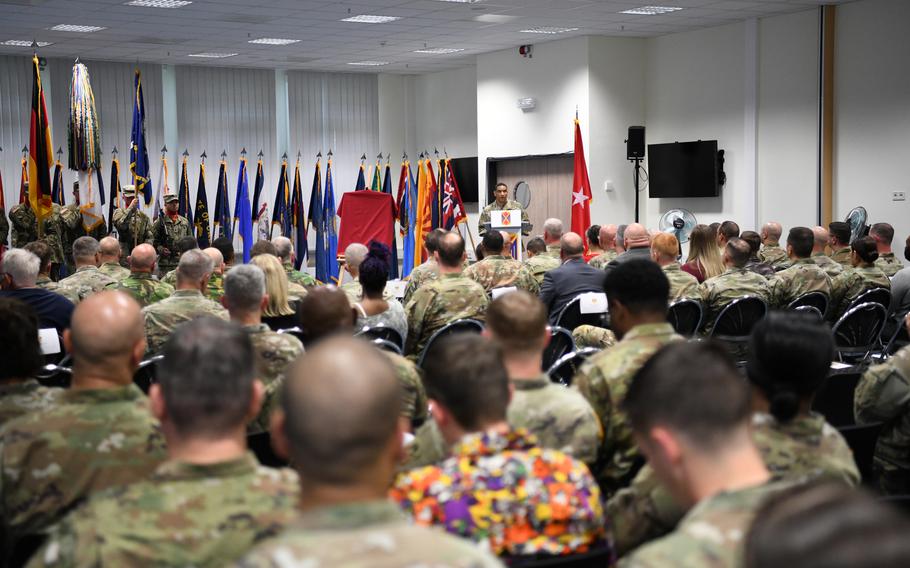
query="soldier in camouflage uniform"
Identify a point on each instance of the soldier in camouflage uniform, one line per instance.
(24, 223)
(184, 244)
(540, 258)
(99, 434)
(883, 395)
(185, 304)
(216, 282)
(443, 301)
(43, 252)
(427, 271)
(852, 282)
(822, 237)
(109, 248)
(141, 284)
(502, 203)
(4, 228)
(607, 240)
(736, 282)
(203, 506)
(346, 390)
(286, 255)
(883, 234)
(167, 230)
(497, 270)
(840, 236)
(771, 252)
(88, 279)
(73, 227)
(637, 294)
(803, 276)
(665, 251)
(592, 336)
(133, 226)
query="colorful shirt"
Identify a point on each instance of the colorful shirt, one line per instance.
(508, 495)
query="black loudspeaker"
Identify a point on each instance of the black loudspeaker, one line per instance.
(635, 144)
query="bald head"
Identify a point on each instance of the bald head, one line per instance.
(552, 230)
(326, 311)
(106, 336)
(109, 247)
(217, 260)
(821, 239)
(771, 232)
(143, 258)
(607, 236)
(571, 245)
(636, 236)
(353, 257)
(341, 402)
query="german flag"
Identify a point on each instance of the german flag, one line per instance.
(40, 153)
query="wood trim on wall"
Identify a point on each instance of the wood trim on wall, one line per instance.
(827, 21)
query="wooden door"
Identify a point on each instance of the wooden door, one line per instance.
(550, 182)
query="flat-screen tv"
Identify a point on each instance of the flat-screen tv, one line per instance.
(683, 169)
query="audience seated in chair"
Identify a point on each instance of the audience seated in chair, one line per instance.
(561, 285)
(717, 293)
(373, 307)
(18, 277)
(803, 275)
(704, 259)
(665, 251)
(864, 275)
(831, 267)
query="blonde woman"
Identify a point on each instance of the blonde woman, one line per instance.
(278, 314)
(704, 259)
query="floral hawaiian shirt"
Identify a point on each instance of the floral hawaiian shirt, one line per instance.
(508, 495)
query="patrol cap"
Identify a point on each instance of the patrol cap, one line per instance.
(171, 198)
(128, 190)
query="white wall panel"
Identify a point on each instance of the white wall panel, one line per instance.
(15, 97)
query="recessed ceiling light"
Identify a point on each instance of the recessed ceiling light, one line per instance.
(273, 41)
(24, 43)
(548, 30)
(494, 18)
(210, 55)
(76, 28)
(369, 63)
(651, 10)
(159, 3)
(439, 50)
(368, 19)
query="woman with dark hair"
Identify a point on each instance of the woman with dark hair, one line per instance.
(592, 235)
(373, 309)
(20, 360)
(863, 276)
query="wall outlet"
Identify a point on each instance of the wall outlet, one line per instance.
(608, 186)
(898, 196)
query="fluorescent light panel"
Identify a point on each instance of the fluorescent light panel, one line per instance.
(651, 10)
(370, 19)
(159, 3)
(24, 43)
(211, 55)
(439, 50)
(76, 28)
(369, 63)
(548, 30)
(273, 41)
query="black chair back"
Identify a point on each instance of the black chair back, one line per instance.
(862, 439)
(571, 317)
(817, 300)
(261, 446)
(146, 372)
(296, 332)
(834, 400)
(898, 337)
(386, 346)
(736, 320)
(561, 342)
(878, 295)
(466, 325)
(685, 315)
(858, 331)
(810, 310)
(597, 558)
(565, 368)
(55, 376)
(383, 332)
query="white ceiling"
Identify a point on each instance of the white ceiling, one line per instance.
(170, 35)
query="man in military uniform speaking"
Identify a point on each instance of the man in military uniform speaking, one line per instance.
(133, 226)
(502, 202)
(168, 229)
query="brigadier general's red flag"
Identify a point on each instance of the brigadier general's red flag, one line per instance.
(581, 189)
(40, 153)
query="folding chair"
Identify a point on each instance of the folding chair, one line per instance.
(685, 315)
(565, 368)
(561, 342)
(383, 332)
(858, 331)
(466, 325)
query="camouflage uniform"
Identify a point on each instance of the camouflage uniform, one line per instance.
(88, 441)
(593, 336)
(86, 281)
(54, 233)
(682, 284)
(27, 397)
(830, 267)
(803, 449)
(757, 266)
(133, 228)
(184, 305)
(296, 292)
(842, 256)
(215, 287)
(25, 225)
(427, 448)
(773, 254)
(604, 380)
(372, 534)
(851, 283)
(183, 515)
(114, 270)
(170, 277)
(274, 351)
(802, 277)
(560, 418)
(497, 271)
(4, 227)
(414, 404)
(422, 274)
(485, 216)
(603, 259)
(541, 264)
(882, 395)
(143, 287)
(51, 286)
(354, 291)
(889, 263)
(71, 219)
(451, 297)
(166, 233)
(716, 293)
(711, 533)
(298, 276)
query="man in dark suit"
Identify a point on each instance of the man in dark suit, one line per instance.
(572, 278)
(638, 245)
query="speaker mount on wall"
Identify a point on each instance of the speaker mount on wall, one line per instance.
(635, 153)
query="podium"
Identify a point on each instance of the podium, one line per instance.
(509, 221)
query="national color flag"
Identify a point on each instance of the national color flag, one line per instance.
(222, 227)
(258, 184)
(314, 218)
(361, 179)
(139, 156)
(281, 213)
(581, 189)
(405, 227)
(23, 181)
(438, 219)
(432, 196)
(376, 184)
(298, 220)
(453, 211)
(424, 216)
(114, 201)
(40, 153)
(201, 214)
(387, 188)
(331, 227)
(243, 212)
(183, 195)
(57, 191)
(161, 190)
(91, 198)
